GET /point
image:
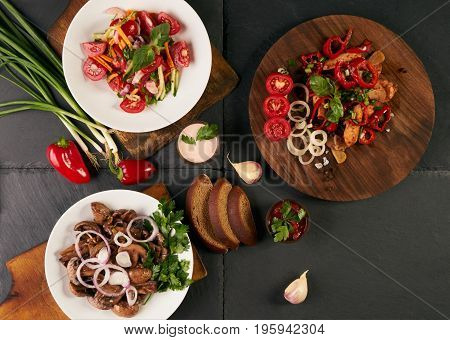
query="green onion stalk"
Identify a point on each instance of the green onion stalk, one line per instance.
(32, 65)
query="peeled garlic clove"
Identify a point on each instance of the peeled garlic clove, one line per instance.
(297, 291)
(103, 255)
(250, 172)
(118, 279)
(123, 259)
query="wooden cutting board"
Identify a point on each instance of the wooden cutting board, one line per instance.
(222, 81)
(368, 170)
(30, 298)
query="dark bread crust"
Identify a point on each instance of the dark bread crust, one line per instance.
(218, 214)
(198, 215)
(241, 217)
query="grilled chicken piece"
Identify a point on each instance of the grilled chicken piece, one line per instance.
(351, 134)
(331, 63)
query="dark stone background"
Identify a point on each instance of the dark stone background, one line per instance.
(383, 258)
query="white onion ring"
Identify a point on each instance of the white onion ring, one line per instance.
(131, 300)
(120, 234)
(116, 11)
(99, 286)
(318, 142)
(300, 159)
(87, 285)
(293, 149)
(77, 246)
(305, 88)
(293, 109)
(155, 230)
(316, 150)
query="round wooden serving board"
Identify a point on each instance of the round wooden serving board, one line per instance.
(368, 170)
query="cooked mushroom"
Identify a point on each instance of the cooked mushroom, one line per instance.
(87, 225)
(100, 212)
(139, 275)
(69, 252)
(103, 302)
(95, 248)
(79, 290)
(72, 267)
(125, 215)
(135, 251)
(145, 288)
(124, 310)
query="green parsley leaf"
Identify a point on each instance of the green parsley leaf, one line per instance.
(301, 214)
(142, 57)
(282, 234)
(337, 110)
(188, 139)
(285, 209)
(160, 34)
(321, 86)
(208, 131)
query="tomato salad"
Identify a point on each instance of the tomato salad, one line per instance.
(138, 56)
(342, 100)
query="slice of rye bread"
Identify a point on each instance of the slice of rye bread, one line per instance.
(240, 216)
(218, 215)
(198, 215)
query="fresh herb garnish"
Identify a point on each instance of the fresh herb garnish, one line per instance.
(206, 132)
(171, 274)
(281, 227)
(188, 139)
(336, 110)
(323, 86)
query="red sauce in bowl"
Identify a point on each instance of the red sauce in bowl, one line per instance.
(298, 228)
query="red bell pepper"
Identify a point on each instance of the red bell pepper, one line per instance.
(366, 136)
(334, 45)
(133, 171)
(318, 122)
(67, 160)
(314, 59)
(360, 70)
(346, 81)
(363, 48)
(380, 118)
(331, 127)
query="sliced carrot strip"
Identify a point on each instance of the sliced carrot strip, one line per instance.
(111, 77)
(124, 37)
(106, 58)
(103, 63)
(169, 57)
(134, 91)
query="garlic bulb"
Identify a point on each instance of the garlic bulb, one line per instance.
(250, 172)
(297, 291)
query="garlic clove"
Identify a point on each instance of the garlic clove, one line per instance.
(118, 279)
(123, 259)
(297, 291)
(250, 172)
(103, 255)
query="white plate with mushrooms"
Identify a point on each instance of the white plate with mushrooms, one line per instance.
(159, 305)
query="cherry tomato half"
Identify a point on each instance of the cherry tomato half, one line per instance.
(277, 83)
(277, 129)
(93, 70)
(146, 22)
(174, 24)
(180, 54)
(116, 84)
(276, 106)
(130, 28)
(133, 106)
(93, 49)
(153, 66)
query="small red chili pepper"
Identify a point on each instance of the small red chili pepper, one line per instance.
(133, 171)
(314, 59)
(346, 81)
(366, 136)
(360, 69)
(363, 48)
(334, 46)
(67, 160)
(380, 118)
(318, 122)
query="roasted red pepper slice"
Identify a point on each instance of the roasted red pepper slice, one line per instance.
(365, 47)
(366, 136)
(133, 171)
(331, 127)
(334, 45)
(314, 59)
(380, 118)
(318, 123)
(340, 73)
(364, 73)
(66, 159)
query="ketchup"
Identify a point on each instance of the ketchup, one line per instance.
(298, 228)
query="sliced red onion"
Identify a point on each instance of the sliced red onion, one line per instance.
(153, 224)
(116, 37)
(99, 268)
(99, 287)
(103, 256)
(137, 77)
(125, 244)
(125, 90)
(151, 87)
(132, 295)
(116, 11)
(77, 246)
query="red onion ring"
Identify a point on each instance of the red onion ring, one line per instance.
(98, 286)
(120, 234)
(87, 285)
(77, 246)
(131, 299)
(153, 224)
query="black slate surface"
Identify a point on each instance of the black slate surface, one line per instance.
(386, 257)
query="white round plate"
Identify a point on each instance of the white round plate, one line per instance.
(160, 306)
(102, 104)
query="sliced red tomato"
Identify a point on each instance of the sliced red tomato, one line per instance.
(153, 66)
(133, 106)
(180, 54)
(93, 70)
(174, 24)
(130, 28)
(116, 84)
(277, 83)
(114, 22)
(276, 106)
(146, 22)
(277, 129)
(93, 49)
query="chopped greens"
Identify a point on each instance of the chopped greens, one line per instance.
(282, 227)
(188, 139)
(206, 132)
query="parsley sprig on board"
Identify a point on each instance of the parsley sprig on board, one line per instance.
(281, 227)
